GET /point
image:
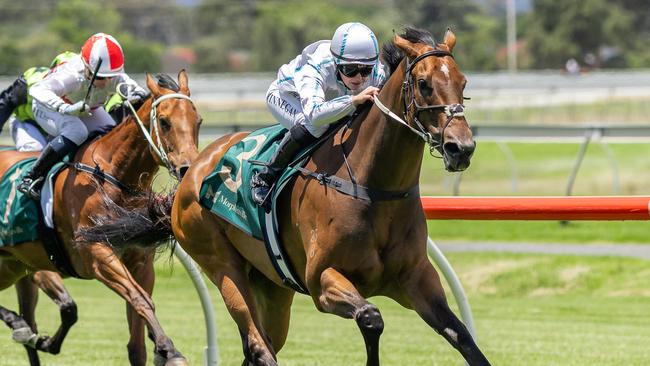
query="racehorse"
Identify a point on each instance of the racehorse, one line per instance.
(346, 245)
(122, 163)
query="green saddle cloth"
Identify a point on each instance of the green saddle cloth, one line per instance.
(226, 191)
(18, 213)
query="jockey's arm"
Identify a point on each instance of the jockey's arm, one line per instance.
(317, 110)
(49, 91)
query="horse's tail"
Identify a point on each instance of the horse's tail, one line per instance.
(143, 220)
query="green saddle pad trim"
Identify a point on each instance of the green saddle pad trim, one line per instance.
(226, 191)
(18, 212)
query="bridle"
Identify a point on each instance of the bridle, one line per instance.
(408, 90)
(156, 147)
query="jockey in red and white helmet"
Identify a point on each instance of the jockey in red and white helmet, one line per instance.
(326, 82)
(67, 107)
(105, 49)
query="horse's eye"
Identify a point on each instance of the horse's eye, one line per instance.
(425, 90)
(200, 121)
(165, 124)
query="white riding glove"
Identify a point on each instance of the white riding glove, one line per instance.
(79, 109)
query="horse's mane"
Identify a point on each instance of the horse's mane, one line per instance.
(167, 82)
(392, 55)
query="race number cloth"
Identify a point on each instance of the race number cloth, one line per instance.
(18, 213)
(226, 191)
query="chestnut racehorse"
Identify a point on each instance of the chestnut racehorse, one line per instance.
(171, 120)
(345, 245)
(345, 249)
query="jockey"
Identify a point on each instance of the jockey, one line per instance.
(66, 105)
(323, 84)
(16, 100)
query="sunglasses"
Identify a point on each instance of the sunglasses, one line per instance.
(352, 70)
(102, 77)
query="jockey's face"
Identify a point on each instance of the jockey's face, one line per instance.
(100, 81)
(354, 83)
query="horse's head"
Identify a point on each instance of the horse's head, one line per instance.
(433, 96)
(174, 123)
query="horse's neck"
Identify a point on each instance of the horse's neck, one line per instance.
(386, 155)
(124, 153)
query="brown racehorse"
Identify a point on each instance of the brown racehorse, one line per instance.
(345, 249)
(125, 155)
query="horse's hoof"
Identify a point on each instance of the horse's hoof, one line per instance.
(25, 336)
(177, 361)
(159, 360)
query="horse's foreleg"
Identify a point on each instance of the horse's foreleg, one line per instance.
(52, 284)
(140, 264)
(27, 293)
(339, 296)
(110, 270)
(424, 293)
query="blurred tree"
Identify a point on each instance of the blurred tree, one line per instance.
(478, 44)
(279, 34)
(436, 15)
(75, 20)
(224, 27)
(558, 30)
(480, 36)
(157, 20)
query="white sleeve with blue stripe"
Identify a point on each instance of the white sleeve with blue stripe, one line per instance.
(310, 86)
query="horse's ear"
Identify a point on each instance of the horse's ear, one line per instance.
(406, 46)
(450, 39)
(182, 82)
(152, 85)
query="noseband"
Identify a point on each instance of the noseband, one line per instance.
(451, 110)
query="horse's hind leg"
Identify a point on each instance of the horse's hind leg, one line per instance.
(27, 293)
(423, 292)
(140, 264)
(10, 272)
(52, 284)
(339, 296)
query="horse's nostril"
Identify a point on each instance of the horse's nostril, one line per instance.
(456, 149)
(452, 148)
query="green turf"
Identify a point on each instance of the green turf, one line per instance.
(529, 310)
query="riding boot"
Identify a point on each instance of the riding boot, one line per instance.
(12, 97)
(55, 150)
(293, 141)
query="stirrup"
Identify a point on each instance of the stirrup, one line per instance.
(31, 187)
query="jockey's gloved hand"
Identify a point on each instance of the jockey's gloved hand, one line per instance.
(79, 109)
(137, 96)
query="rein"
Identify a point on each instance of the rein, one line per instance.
(451, 110)
(350, 187)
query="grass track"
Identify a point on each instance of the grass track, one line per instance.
(529, 310)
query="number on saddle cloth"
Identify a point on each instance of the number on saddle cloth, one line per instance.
(226, 191)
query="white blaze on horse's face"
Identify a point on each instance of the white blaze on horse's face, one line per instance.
(445, 70)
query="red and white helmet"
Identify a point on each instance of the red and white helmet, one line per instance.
(103, 47)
